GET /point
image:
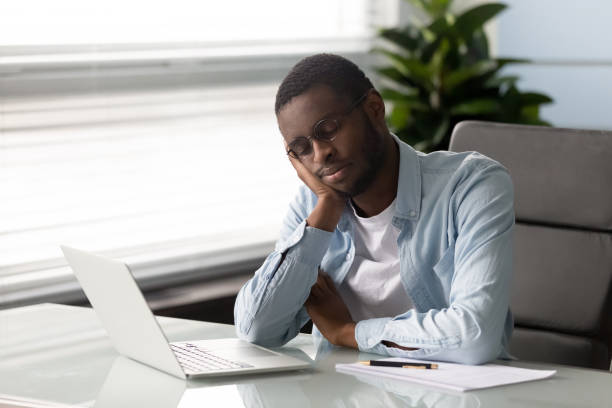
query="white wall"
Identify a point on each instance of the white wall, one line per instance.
(571, 45)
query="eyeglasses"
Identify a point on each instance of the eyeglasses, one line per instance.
(325, 130)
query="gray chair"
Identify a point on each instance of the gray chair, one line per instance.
(562, 288)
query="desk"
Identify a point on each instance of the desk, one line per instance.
(62, 354)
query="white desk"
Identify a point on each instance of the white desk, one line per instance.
(62, 354)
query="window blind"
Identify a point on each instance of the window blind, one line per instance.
(155, 141)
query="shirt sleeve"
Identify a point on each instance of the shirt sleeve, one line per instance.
(269, 308)
(471, 328)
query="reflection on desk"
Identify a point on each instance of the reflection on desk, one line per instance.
(131, 384)
(61, 354)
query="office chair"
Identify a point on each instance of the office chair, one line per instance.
(561, 295)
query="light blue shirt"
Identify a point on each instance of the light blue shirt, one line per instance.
(456, 218)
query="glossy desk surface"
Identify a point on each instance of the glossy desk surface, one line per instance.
(62, 354)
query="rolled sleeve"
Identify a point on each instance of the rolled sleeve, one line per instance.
(269, 309)
(313, 244)
(368, 333)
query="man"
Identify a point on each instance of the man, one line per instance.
(385, 249)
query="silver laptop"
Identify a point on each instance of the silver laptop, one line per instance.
(135, 333)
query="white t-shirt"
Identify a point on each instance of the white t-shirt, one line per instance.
(372, 287)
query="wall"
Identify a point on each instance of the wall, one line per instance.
(570, 45)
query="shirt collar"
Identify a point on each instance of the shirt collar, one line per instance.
(408, 200)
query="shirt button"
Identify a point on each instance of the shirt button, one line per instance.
(412, 213)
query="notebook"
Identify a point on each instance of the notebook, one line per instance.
(456, 377)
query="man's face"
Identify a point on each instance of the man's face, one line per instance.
(351, 161)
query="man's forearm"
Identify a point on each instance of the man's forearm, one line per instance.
(268, 314)
(267, 307)
(347, 336)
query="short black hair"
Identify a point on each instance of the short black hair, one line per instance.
(343, 76)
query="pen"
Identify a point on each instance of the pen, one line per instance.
(400, 364)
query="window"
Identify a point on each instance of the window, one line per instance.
(145, 130)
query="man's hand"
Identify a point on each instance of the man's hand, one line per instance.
(330, 203)
(322, 190)
(391, 344)
(329, 313)
(331, 316)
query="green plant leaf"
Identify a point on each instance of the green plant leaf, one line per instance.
(409, 38)
(540, 122)
(459, 76)
(418, 106)
(424, 145)
(477, 47)
(511, 105)
(474, 18)
(440, 6)
(409, 135)
(429, 49)
(436, 65)
(441, 25)
(390, 73)
(505, 61)
(409, 67)
(534, 98)
(441, 131)
(398, 78)
(395, 95)
(496, 82)
(399, 116)
(476, 107)
(530, 113)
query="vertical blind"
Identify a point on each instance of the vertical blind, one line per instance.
(117, 136)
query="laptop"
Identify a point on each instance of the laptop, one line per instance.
(135, 332)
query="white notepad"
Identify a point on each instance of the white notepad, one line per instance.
(457, 377)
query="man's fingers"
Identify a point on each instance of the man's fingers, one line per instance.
(325, 281)
(307, 177)
(321, 279)
(315, 290)
(329, 283)
(324, 286)
(308, 306)
(302, 171)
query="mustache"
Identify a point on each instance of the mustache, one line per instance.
(327, 170)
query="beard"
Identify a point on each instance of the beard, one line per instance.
(373, 149)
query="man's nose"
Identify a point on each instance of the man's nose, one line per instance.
(323, 151)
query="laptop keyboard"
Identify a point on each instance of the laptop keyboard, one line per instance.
(195, 360)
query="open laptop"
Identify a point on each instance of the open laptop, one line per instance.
(135, 332)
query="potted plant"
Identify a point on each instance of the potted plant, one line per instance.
(440, 73)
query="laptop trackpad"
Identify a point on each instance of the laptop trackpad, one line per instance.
(246, 352)
(234, 349)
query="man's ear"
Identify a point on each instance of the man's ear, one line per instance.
(374, 107)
